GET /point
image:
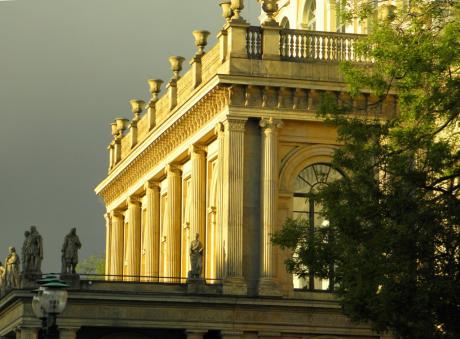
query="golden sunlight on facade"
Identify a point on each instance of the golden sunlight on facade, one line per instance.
(228, 152)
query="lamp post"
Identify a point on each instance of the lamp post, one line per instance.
(48, 303)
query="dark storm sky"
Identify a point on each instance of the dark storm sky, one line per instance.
(67, 69)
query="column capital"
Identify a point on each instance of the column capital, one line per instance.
(152, 184)
(235, 124)
(133, 200)
(116, 213)
(108, 216)
(173, 169)
(270, 123)
(198, 149)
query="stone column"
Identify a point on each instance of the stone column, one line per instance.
(198, 190)
(117, 244)
(173, 229)
(27, 333)
(152, 229)
(233, 204)
(269, 196)
(68, 332)
(108, 244)
(221, 239)
(134, 238)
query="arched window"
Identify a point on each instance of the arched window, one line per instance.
(308, 181)
(285, 23)
(309, 15)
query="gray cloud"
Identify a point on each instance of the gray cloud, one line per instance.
(67, 69)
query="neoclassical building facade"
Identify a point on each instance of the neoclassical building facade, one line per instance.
(229, 151)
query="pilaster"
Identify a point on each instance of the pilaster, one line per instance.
(108, 243)
(221, 234)
(233, 204)
(197, 68)
(269, 195)
(117, 244)
(134, 238)
(152, 229)
(271, 43)
(173, 228)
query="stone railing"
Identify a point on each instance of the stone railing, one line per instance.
(300, 45)
(254, 38)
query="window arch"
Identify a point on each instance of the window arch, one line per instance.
(308, 181)
(309, 15)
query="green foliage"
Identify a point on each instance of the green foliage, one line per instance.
(395, 215)
(94, 264)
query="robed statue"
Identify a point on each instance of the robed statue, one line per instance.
(32, 252)
(196, 258)
(70, 252)
(12, 279)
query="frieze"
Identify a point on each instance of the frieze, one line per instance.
(184, 127)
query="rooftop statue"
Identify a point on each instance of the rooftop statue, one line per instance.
(70, 252)
(12, 269)
(32, 252)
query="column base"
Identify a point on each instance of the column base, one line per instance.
(235, 286)
(269, 287)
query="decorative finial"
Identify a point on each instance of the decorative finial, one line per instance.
(137, 106)
(122, 124)
(227, 12)
(201, 40)
(270, 7)
(237, 6)
(155, 88)
(176, 65)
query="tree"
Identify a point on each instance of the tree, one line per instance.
(392, 243)
(94, 264)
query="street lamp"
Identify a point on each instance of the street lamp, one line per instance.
(49, 302)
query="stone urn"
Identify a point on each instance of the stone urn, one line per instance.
(227, 12)
(122, 124)
(201, 40)
(155, 88)
(176, 65)
(114, 129)
(270, 7)
(237, 6)
(137, 106)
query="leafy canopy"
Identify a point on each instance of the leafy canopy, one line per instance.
(395, 215)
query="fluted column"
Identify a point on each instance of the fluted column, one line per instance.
(68, 332)
(198, 188)
(108, 243)
(134, 238)
(117, 244)
(152, 229)
(233, 203)
(27, 333)
(269, 195)
(221, 239)
(173, 229)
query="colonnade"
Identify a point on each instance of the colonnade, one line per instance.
(143, 241)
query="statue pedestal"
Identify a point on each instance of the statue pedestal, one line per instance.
(269, 288)
(73, 280)
(29, 279)
(196, 286)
